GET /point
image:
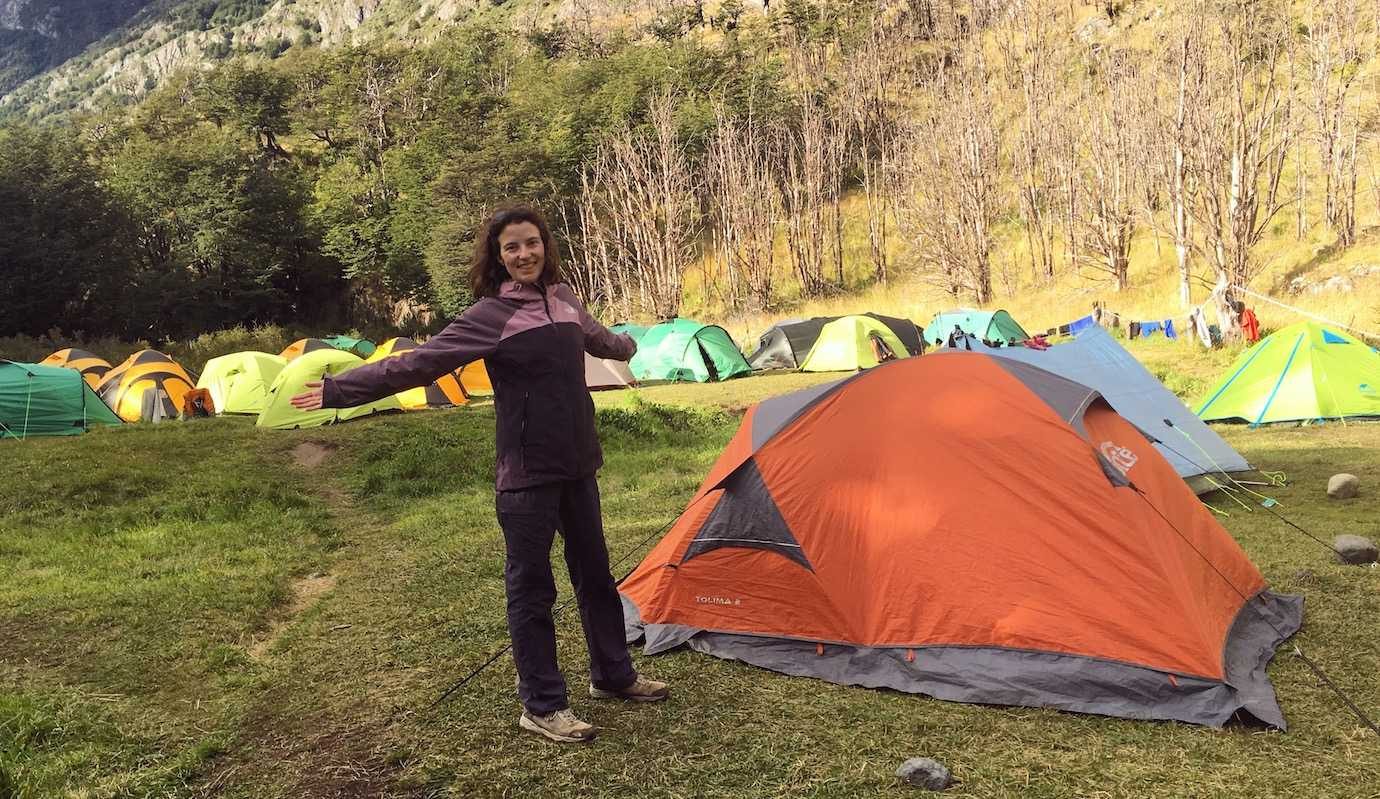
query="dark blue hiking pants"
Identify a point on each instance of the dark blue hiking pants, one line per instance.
(530, 518)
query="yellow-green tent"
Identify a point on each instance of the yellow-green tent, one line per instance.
(278, 413)
(850, 343)
(240, 382)
(1299, 373)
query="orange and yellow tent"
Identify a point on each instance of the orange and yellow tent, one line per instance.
(124, 387)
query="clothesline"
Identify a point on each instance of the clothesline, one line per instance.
(1301, 312)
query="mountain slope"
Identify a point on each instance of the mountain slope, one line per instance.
(50, 65)
(37, 35)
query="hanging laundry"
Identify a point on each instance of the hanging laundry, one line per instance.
(1081, 324)
(1200, 327)
(1133, 330)
(1169, 331)
(1250, 326)
(1148, 329)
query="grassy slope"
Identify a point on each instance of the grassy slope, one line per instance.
(141, 571)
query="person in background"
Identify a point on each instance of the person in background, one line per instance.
(532, 333)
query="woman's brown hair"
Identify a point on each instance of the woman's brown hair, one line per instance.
(486, 267)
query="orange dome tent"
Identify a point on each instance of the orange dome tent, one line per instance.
(92, 367)
(970, 528)
(445, 391)
(124, 387)
(302, 346)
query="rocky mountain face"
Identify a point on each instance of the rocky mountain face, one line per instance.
(58, 55)
(37, 35)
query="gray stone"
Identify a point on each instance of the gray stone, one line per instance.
(1354, 549)
(1343, 486)
(923, 772)
(1336, 283)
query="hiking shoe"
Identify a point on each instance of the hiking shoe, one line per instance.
(560, 726)
(641, 690)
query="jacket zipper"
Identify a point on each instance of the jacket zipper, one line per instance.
(522, 434)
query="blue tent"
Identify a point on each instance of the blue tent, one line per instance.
(1094, 359)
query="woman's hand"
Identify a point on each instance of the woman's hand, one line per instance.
(309, 400)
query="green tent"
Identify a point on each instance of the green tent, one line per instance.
(48, 401)
(278, 412)
(850, 343)
(362, 347)
(636, 331)
(239, 382)
(991, 326)
(680, 349)
(1299, 373)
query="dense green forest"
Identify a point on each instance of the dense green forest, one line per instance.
(336, 187)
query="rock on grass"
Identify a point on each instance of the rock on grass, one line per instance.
(1343, 486)
(1354, 549)
(923, 772)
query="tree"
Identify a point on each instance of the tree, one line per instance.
(1029, 44)
(951, 158)
(746, 203)
(1110, 169)
(642, 208)
(64, 240)
(812, 182)
(1341, 34)
(1241, 128)
(252, 98)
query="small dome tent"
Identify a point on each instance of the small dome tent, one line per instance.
(850, 343)
(1300, 373)
(147, 386)
(362, 347)
(92, 367)
(278, 413)
(682, 349)
(239, 382)
(786, 343)
(444, 392)
(38, 400)
(990, 326)
(861, 532)
(302, 346)
(605, 373)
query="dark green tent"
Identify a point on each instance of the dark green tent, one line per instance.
(48, 401)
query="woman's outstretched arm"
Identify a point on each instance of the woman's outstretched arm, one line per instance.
(599, 340)
(467, 339)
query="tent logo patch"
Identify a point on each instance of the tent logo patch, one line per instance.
(1120, 457)
(717, 600)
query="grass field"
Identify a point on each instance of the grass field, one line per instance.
(206, 609)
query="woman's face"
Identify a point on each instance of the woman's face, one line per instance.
(521, 250)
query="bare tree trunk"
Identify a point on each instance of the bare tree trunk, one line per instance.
(951, 160)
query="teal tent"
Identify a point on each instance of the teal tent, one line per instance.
(636, 331)
(681, 349)
(362, 347)
(48, 401)
(991, 326)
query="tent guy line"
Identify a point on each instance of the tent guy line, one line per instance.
(1265, 616)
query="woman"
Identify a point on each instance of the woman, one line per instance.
(533, 334)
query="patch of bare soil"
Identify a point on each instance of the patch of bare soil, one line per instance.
(311, 454)
(305, 592)
(320, 755)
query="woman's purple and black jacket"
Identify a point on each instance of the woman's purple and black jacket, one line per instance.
(533, 343)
